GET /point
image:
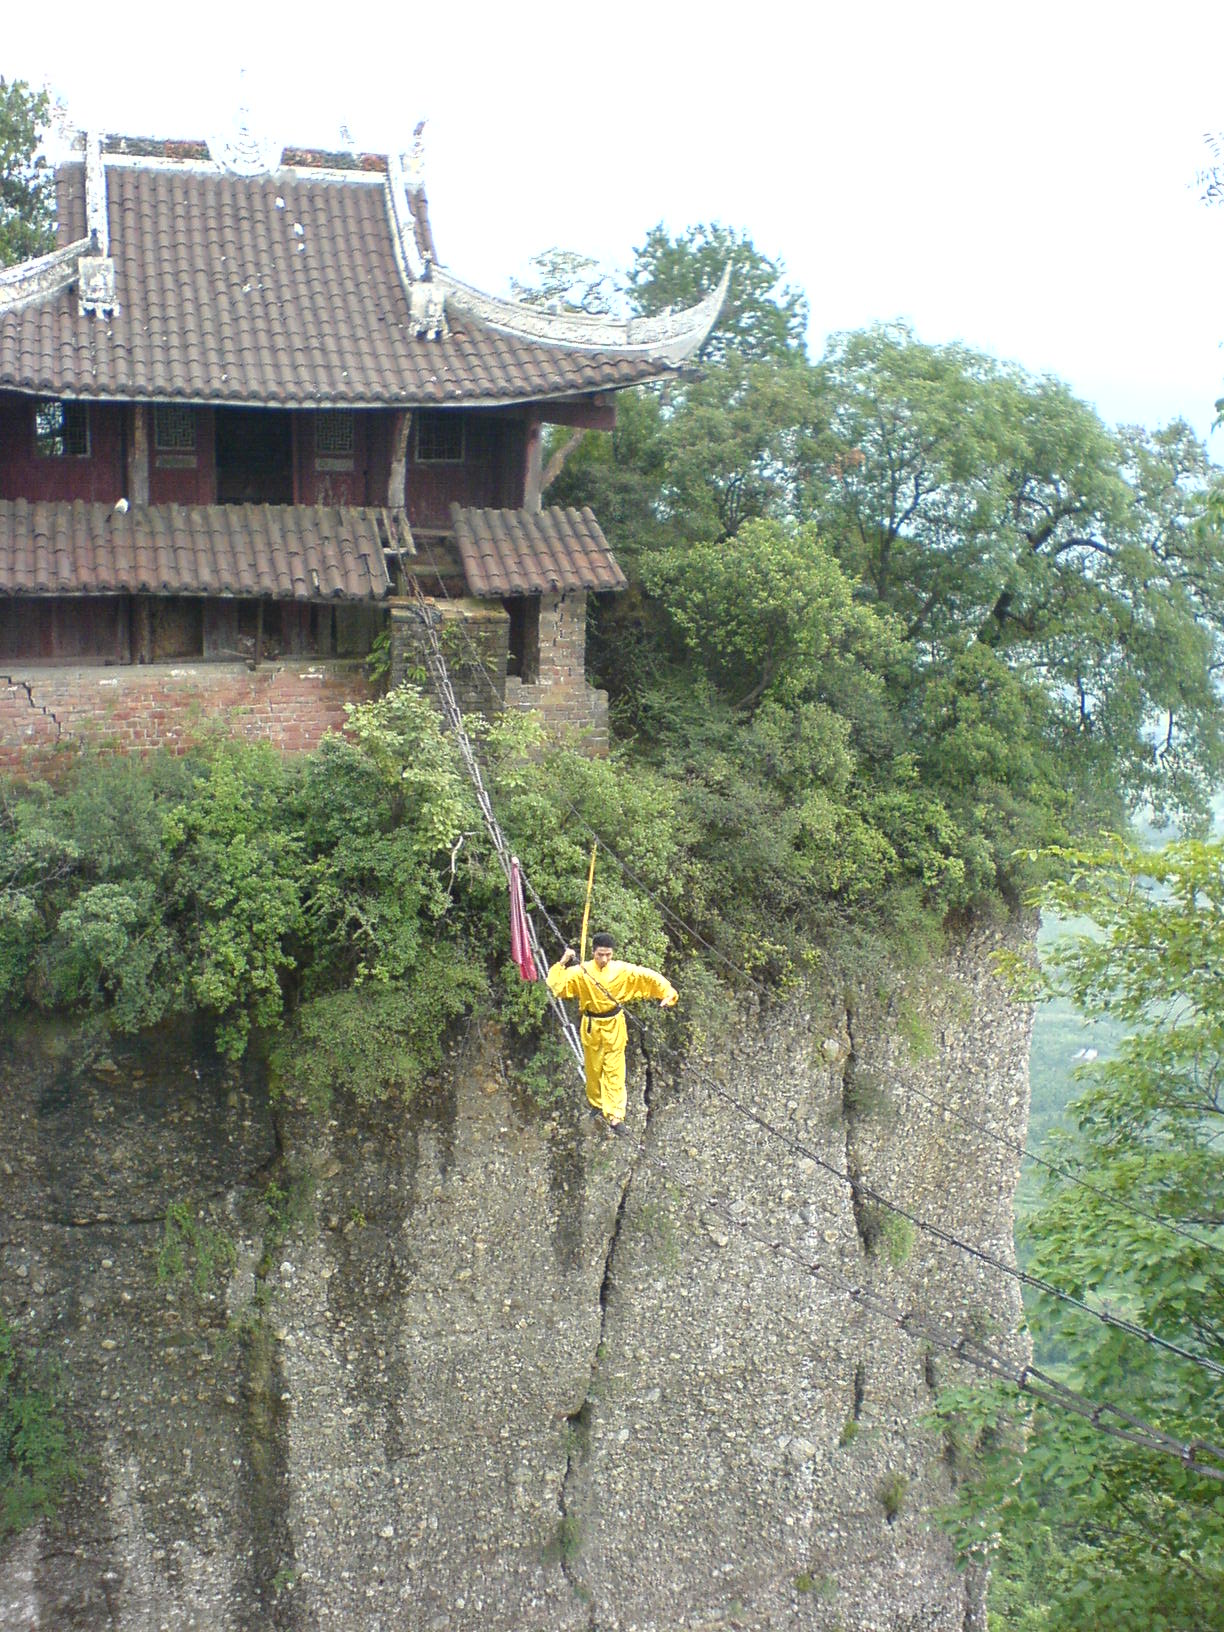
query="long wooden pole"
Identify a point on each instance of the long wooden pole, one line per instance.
(586, 911)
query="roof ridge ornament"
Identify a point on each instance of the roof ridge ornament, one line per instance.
(405, 206)
(96, 270)
(414, 160)
(97, 223)
(45, 275)
(241, 151)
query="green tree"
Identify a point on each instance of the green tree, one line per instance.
(567, 281)
(1211, 177)
(1211, 182)
(26, 203)
(773, 616)
(764, 316)
(987, 508)
(739, 443)
(1097, 1532)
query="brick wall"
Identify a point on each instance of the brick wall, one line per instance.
(475, 639)
(474, 636)
(561, 695)
(132, 709)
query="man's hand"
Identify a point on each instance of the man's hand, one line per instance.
(568, 956)
(669, 1002)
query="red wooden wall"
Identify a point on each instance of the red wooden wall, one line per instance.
(97, 475)
(491, 473)
(183, 478)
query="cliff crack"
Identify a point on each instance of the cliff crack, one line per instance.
(578, 1422)
(863, 1221)
(24, 685)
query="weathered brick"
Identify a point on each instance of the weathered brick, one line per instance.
(133, 710)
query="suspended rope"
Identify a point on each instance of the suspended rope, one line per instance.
(435, 667)
(1029, 1378)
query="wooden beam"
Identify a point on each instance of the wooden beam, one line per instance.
(142, 629)
(556, 464)
(533, 471)
(588, 414)
(397, 481)
(138, 459)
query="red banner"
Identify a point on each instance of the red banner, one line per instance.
(520, 941)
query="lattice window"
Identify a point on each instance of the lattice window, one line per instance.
(334, 433)
(61, 429)
(174, 428)
(439, 439)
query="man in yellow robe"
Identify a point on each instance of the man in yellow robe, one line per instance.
(603, 986)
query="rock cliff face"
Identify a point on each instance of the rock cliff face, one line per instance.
(477, 1366)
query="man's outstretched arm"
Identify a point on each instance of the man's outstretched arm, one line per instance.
(641, 982)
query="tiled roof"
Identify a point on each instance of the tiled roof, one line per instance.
(285, 552)
(282, 289)
(520, 552)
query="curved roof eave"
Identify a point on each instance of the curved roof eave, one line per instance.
(33, 280)
(671, 337)
(411, 404)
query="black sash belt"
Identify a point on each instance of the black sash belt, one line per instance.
(605, 1014)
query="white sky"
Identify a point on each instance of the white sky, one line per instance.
(1018, 176)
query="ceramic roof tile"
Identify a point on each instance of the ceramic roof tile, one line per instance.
(274, 290)
(520, 552)
(288, 552)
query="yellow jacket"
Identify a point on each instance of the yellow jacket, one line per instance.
(601, 994)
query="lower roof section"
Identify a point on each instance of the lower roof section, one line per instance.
(523, 552)
(280, 552)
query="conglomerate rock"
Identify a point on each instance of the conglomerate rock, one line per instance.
(480, 1366)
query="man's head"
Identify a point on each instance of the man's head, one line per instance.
(602, 948)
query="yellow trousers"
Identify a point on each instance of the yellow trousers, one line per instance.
(603, 1053)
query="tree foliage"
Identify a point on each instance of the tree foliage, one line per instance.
(566, 281)
(987, 508)
(1053, 586)
(764, 317)
(26, 204)
(1096, 1532)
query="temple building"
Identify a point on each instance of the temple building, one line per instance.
(241, 406)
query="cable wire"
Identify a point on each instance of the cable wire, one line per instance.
(858, 1188)
(984, 1358)
(743, 975)
(860, 1191)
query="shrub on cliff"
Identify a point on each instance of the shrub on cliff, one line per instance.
(239, 883)
(36, 1460)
